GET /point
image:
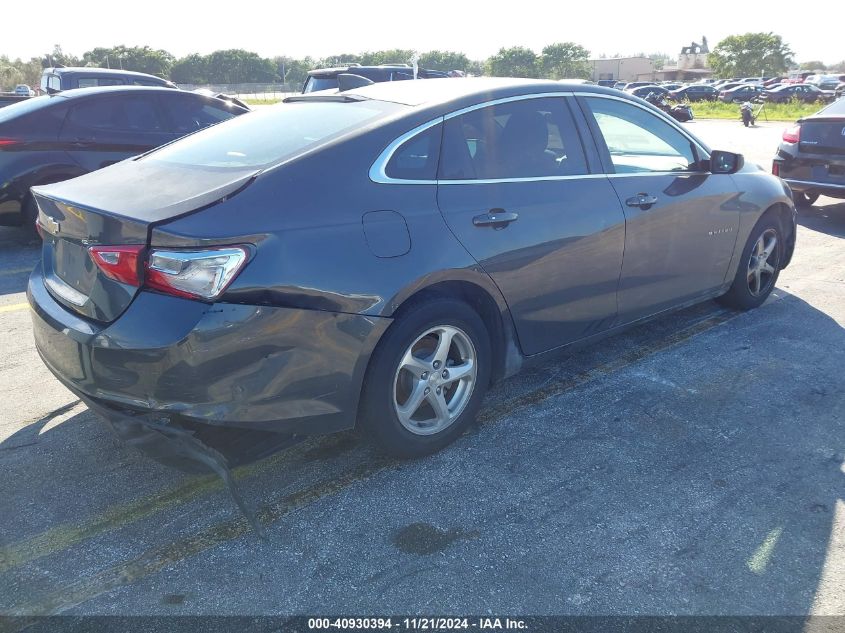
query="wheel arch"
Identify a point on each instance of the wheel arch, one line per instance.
(480, 293)
(783, 214)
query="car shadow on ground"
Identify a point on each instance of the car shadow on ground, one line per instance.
(826, 218)
(711, 491)
(19, 252)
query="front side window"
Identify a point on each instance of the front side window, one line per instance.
(528, 138)
(639, 141)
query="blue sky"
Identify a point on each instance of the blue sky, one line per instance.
(478, 28)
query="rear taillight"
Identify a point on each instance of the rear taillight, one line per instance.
(8, 142)
(776, 169)
(201, 274)
(792, 135)
(120, 263)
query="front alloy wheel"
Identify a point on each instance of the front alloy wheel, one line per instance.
(759, 266)
(762, 263)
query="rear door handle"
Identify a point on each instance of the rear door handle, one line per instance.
(642, 200)
(497, 218)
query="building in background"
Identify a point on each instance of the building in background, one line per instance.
(692, 65)
(621, 68)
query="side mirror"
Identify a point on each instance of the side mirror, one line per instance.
(725, 162)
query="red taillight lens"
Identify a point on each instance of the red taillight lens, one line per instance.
(776, 169)
(201, 274)
(8, 142)
(793, 134)
(121, 263)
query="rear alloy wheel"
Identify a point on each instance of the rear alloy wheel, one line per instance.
(805, 200)
(427, 378)
(759, 267)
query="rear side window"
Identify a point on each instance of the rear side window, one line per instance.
(528, 138)
(416, 159)
(191, 113)
(93, 82)
(273, 134)
(129, 114)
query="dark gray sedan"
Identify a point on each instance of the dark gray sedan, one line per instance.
(381, 256)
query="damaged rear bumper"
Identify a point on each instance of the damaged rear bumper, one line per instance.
(284, 370)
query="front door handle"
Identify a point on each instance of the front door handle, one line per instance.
(497, 218)
(642, 200)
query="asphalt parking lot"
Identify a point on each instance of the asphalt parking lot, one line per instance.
(693, 465)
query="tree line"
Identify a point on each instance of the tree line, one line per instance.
(736, 55)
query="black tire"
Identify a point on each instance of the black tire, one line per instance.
(805, 200)
(741, 294)
(377, 416)
(29, 213)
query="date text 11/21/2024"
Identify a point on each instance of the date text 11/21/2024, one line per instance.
(417, 624)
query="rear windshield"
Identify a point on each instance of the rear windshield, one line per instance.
(837, 107)
(313, 84)
(272, 134)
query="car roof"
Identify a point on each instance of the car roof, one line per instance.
(75, 93)
(440, 91)
(90, 70)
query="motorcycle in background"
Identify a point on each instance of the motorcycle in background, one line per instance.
(746, 111)
(681, 112)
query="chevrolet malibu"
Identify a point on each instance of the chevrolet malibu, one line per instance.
(379, 257)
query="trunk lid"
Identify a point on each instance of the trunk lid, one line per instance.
(117, 205)
(823, 135)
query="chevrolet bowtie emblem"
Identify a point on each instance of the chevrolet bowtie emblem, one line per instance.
(51, 225)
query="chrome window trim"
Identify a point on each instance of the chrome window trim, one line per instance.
(378, 173)
(378, 168)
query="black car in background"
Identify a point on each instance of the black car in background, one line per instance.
(811, 156)
(643, 91)
(739, 94)
(807, 93)
(327, 78)
(51, 138)
(695, 92)
(68, 78)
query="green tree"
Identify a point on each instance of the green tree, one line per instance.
(750, 54)
(140, 59)
(565, 60)
(57, 57)
(812, 65)
(10, 76)
(236, 66)
(444, 60)
(191, 69)
(516, 61)
(294, 71)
